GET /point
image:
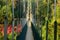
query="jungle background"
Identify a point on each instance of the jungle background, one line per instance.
(40, 12)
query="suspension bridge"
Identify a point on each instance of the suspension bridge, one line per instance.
(29, 20)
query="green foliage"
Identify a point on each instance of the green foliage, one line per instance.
(41, 14)
(5, 10)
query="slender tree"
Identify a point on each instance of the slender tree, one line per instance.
(55, 23)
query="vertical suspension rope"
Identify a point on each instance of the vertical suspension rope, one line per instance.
(12, 19)
(35, 13)
(47, 20)
(55, 23)
(24, 12)
(24, 6)
(55, 9)
(41, 21)
(37, 8)
(41, 29)
(18, 8)
(5, 22)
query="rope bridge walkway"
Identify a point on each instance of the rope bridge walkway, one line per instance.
(28, 33)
